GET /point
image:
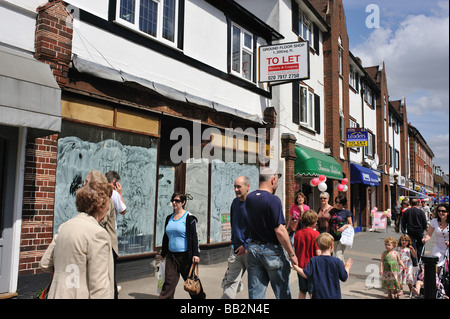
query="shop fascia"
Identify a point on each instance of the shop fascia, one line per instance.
(250, 144)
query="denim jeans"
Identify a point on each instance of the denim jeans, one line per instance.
(267, 263)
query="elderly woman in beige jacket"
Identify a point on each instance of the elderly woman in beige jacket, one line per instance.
(80, 254)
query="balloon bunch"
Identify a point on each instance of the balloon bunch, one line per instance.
(320, 182)
(373, 211)
(387, 213)
(342, 187)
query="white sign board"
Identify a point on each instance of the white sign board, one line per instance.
(284, 62)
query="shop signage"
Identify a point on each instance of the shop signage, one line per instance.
(284, 62)
(356, 137)
(379, 220)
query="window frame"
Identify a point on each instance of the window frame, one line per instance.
(242, 49)
(370, 149)
(306, 112)
(135, 25)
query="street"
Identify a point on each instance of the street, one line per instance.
(363, 282)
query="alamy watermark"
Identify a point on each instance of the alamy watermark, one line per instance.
(250, 145)
(373, 19)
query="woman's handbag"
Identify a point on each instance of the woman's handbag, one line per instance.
(192, 284)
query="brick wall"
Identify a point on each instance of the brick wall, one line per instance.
(288, 153)
(38, 202)
(53, 45)
(53, 40)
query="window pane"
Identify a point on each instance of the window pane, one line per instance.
(303, 104)
(247, 65)
(148, 18)
(169, 20)
(236, 50)
(127, 10)
(248, 41)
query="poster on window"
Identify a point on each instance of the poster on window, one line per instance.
(284, 62)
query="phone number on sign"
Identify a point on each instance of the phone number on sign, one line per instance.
(282, 77)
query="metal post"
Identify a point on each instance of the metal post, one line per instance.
(430, 276)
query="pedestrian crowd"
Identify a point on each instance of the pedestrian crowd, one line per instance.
(401, 261)
(263, 244)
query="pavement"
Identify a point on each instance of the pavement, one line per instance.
(363, 282)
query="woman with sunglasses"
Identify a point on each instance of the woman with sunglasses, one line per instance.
(180, 247)
(440, 225)
(324, 213)
(341, 219)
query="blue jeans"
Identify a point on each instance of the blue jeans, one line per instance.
(267, 262)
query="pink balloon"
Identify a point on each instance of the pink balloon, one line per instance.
(340, 188)
(315, 181)
(322, 178)
(344, 181)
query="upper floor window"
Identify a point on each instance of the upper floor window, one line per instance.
(242, 52)
(157, 18)
(340, 65)
(352, 78)
(371, 145)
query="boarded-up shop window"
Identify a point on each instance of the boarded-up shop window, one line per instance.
(82, 148)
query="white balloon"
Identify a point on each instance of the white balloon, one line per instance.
(345, 188)
(322, 187)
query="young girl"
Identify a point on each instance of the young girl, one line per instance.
(389, 268)
(406, 250)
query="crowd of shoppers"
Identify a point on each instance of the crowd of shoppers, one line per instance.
(263, 243)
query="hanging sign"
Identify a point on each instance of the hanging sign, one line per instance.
(356, 137)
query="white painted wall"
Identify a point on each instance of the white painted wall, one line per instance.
(205, 39)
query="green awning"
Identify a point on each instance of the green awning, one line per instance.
(314, 163)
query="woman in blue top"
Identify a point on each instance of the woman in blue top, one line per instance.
(180, 247)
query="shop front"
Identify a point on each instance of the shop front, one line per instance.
(309, 164)
(364, 184)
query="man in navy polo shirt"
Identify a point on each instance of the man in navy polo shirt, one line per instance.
(268, 236)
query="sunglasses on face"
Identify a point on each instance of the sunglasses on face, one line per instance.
(442, 211)
(176, 200)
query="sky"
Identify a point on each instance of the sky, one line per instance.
(412, 38)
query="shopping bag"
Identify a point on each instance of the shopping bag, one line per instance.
(161, 276)
(347, 236)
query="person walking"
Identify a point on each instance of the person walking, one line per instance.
(111, 223)
(266, 259)
(237, 262)
(414, 223)
(180, 247)
(406, 251)
(294, 217)
(323, 214)
(80, 254)
(305, 246)
(326, 286)
(439, 226)
(390, 268)
(341, 219)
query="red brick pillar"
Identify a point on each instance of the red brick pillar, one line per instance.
(38, 202)
(53, 41)
(288, 153)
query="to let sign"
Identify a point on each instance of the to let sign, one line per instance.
(284, 62)
(356, 137)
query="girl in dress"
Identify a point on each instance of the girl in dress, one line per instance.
(389, 268)
(406, 250)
